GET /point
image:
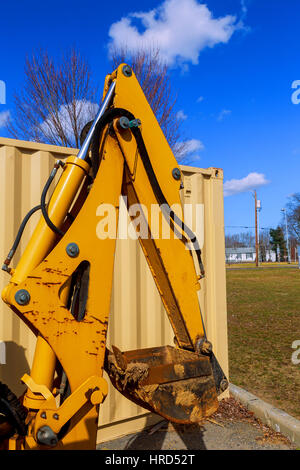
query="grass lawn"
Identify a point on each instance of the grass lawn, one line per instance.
(261, 265)
(263, 321)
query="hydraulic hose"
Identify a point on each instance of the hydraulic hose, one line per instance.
(43, 208)
(18, 238)
(43, 199)
(108, 117)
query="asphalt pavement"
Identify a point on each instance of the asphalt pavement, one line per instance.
(228, 435)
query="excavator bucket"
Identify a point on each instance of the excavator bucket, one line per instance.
(174, 383)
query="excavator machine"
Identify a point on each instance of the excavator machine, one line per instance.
(61, 287)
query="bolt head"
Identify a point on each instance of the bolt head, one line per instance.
(223, 385)
(176, 173)
(203, 346)
(46, 436)
(127, 71)
(124, 122)
(72, 250)
(22, 297)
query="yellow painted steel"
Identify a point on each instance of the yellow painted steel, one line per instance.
(39, 245)
(173, 268)
(45, 269)
(43, 237)
(44, 375)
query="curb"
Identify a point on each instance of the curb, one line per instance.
(268, 414)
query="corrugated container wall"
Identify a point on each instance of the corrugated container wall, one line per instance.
(137, 317)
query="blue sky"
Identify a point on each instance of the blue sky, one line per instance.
(232, 63)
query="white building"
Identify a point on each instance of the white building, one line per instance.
(246, 255)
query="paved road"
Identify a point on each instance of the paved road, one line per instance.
(233, 436)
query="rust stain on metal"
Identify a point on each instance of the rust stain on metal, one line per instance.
(55, 271)
(49, 284)
(179, 370)
(103, 322)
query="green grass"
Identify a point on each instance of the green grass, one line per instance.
(261, 265)
(263, 321)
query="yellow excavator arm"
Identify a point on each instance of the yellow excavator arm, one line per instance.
(61, 287)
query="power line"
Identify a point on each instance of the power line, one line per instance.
(243, 226)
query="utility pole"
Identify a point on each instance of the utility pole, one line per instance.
(258, 209)
(256, 231)
(287, 236)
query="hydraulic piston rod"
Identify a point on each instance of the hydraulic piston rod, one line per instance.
(85, 146)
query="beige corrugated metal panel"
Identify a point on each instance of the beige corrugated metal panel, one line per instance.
(24, 169)
(205, 187)
(137, 317)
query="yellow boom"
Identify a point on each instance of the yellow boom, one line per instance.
(62, 285)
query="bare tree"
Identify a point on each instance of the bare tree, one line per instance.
(238, 240)
(58, 97)
(154, 78)
(233, 241)
(57, 100)
(293, 216)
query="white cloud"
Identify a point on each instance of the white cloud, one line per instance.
(85, 112)
(223, 113)
(181, 116)
(2, 92)
(187, 152)
(193, 145)
(244, 10)
(4, 118)
(201, 98)
(250, 182)
(188, 147)
(180, 29)
(192, 160)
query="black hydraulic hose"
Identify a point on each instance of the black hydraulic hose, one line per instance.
(107, 117)
(18, 237)
(161, 198)
(43, 208)
(43, 199)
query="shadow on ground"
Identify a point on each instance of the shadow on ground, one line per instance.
(171, 434)
(232, 427)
